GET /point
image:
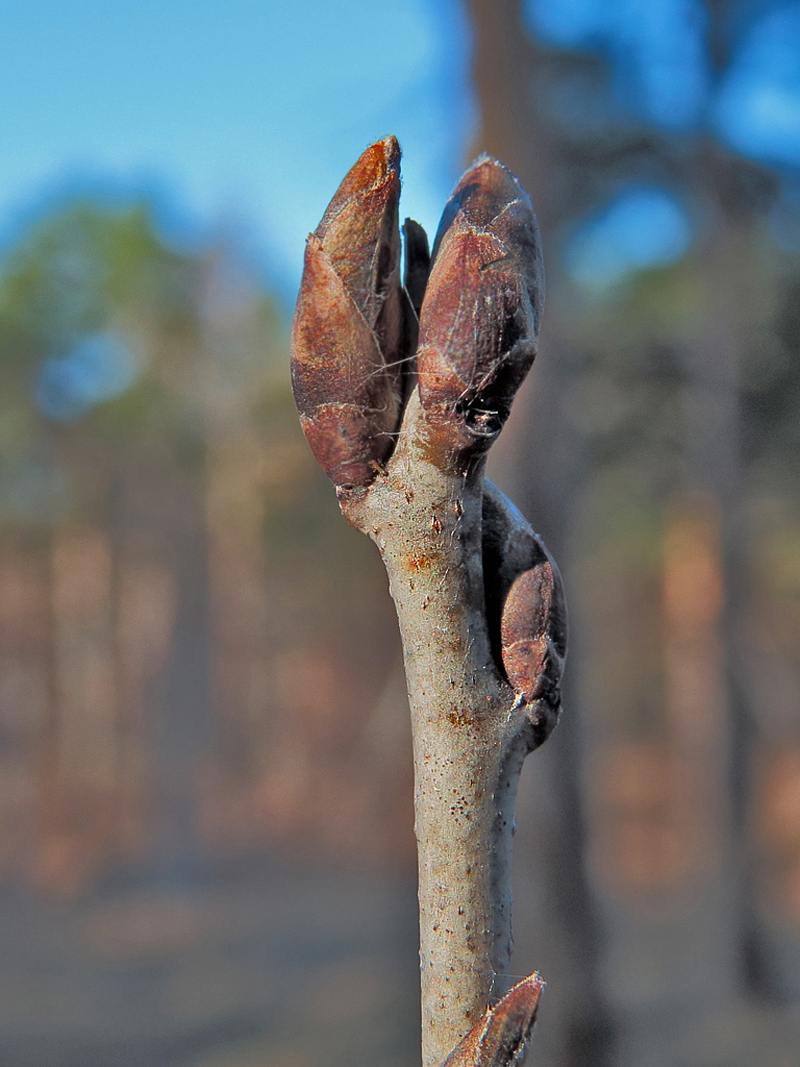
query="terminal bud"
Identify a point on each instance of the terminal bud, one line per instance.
(480, 316)
(348, 336)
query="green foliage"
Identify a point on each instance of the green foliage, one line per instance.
(110, 346)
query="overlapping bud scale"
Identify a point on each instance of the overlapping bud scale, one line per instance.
(347, 336)
(480, 316)
(479, 309)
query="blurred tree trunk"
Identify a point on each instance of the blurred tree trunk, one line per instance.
(179, 711)
(736, 303)
(716, 918)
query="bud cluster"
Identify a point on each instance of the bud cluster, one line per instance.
(465, 323)
(356, 326)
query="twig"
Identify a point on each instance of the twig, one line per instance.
(478, 598)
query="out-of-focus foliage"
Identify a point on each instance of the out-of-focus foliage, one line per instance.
(198, 665)
(160, 514)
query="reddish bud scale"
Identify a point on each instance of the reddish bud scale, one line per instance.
(531, 634)
(526, 609)
(418, 263)
(480, 315)
(502, 1036)
(348, 331)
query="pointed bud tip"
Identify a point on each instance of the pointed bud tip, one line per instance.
(348, 331)
(490, 172)
(377, 165)
(484, 190)
(379, 161)
(501, 1037)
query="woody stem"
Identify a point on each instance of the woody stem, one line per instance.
(426, 522)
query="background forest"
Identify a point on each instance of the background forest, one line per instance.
(206, 847)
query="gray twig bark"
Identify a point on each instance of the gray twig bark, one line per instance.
(478, 597)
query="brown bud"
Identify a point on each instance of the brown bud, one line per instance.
(532, 632)
(418, 263)
(480, 315)
(533, 640)
(348, 331)
(502, 1036)
(524, 588)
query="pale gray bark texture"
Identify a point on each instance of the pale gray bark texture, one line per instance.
(471, 732)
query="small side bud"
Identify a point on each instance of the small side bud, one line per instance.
(502, 1037)
(480, 316)
(533, 641)
(531, 634)
(348, 332)
(526, 610)
(418, 263)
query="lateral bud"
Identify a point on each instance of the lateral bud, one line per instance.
(524, 588)
(348, 331)
(533, 641)
(502, 1036)
(480, 316)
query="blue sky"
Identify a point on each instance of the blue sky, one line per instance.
(245, 113)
